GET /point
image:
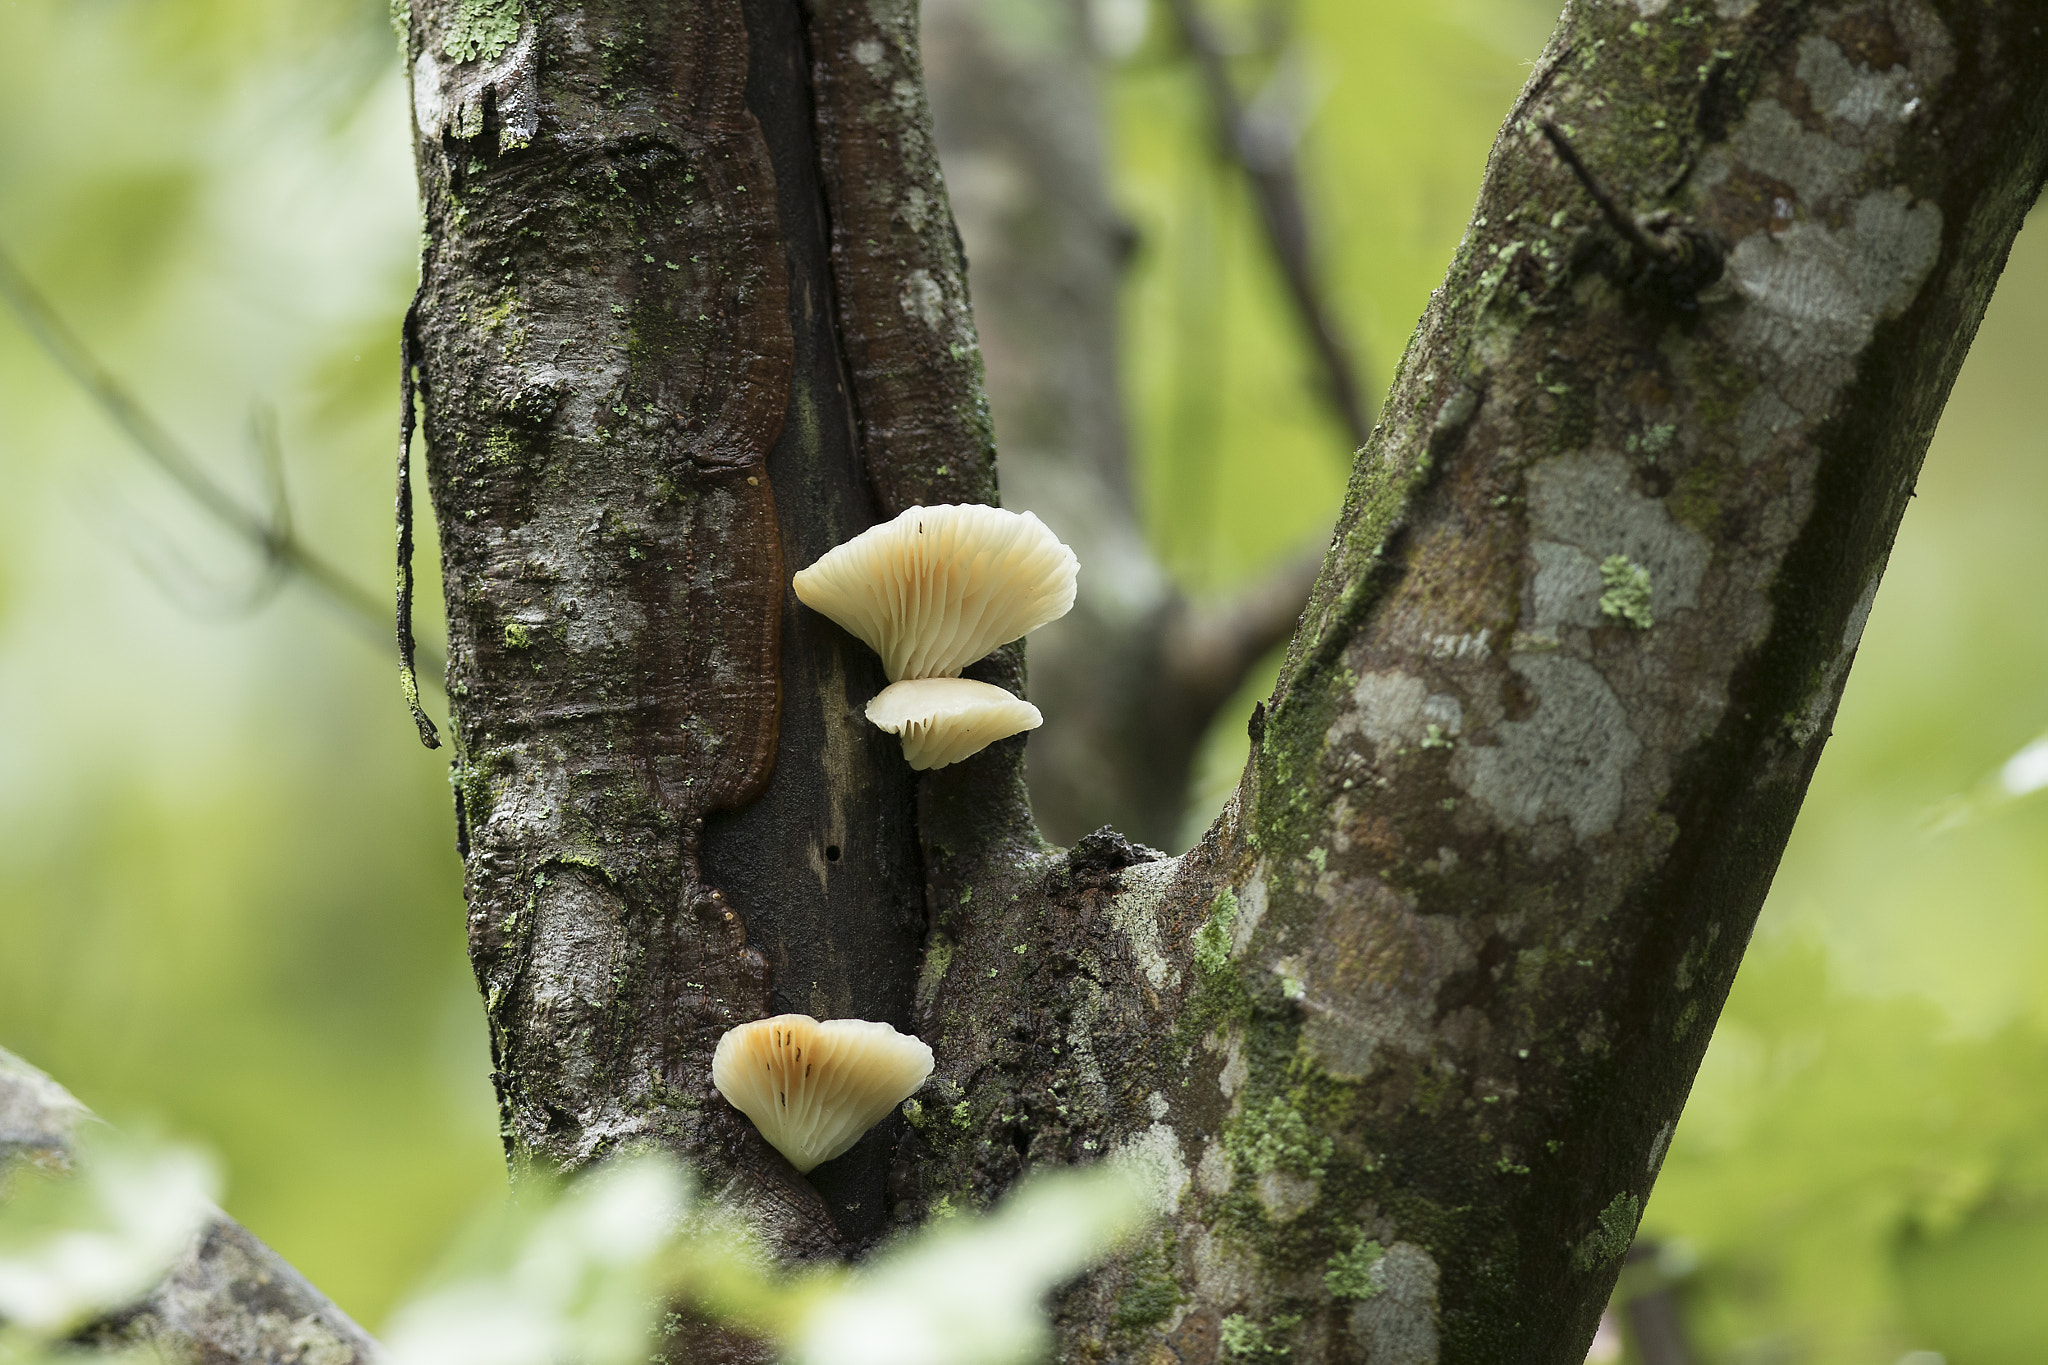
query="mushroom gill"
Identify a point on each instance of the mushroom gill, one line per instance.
(812, 1089)
(943, 720)
(939, 587)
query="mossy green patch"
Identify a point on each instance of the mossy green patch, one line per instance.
(1349, 1274)
(1276, 1137)
(1212, 940)
(1611, 1235)
(1153, 1292)
(1627, 595)
(1249, 1339)
(481, 30)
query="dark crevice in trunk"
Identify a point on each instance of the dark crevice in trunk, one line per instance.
(824, 868)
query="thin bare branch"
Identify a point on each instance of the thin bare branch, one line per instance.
(1270, 168)
(1208, 651)
(270, 534)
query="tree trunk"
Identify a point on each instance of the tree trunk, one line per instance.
(1402, 1041)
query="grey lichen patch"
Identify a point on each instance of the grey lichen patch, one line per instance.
(1399, 1325)
(1355, 1274)
(1582, 513)
(1386, 709)
(1285, 1196)
(1816, 294)
(1565, 762)
(1627, 591)
(1136, 912)
(1611, 1235)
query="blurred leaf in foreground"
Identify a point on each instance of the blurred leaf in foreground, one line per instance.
(74, 1246)
(584, 1271)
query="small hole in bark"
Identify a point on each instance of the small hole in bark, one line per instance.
(831, 853)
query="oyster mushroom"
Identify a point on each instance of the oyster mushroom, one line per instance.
(812, 1089)
(943, 720)
(939, 587)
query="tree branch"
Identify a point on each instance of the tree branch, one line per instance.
(1405, 1038)
(1208, 651)
(228, 1298)
(1269, 169)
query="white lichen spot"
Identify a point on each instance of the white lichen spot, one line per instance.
(1156, 1105)
(1399, 1325)
(428, 110)
(1153, 1163)
(1251, 909)
(1471, 645)
(1658, 1145)
(1135, 912)
(923, 299)
(914, 208)
(1285, 1195)
(868, 52)
(1235, 1070)
(1215, 1172)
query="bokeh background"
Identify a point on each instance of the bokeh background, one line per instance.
(229, 900)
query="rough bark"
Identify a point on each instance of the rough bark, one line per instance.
(1130, 682)
(1401, 1042)
(228, 1299)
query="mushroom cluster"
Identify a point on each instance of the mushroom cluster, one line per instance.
(931, 592)
(813, 1089)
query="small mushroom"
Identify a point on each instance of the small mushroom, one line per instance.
(813, 1089)
(939, 587)
(943, 720)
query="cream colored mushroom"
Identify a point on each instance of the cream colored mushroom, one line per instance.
(943, 720)
(939, 587)
(813, 1089)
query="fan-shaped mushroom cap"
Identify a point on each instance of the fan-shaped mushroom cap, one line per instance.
(943, 720)
(938, 587)
(813, 1089)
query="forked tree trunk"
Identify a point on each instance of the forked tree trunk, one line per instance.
(1403, 1040)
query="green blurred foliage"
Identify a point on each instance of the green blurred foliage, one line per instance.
(227, 894)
